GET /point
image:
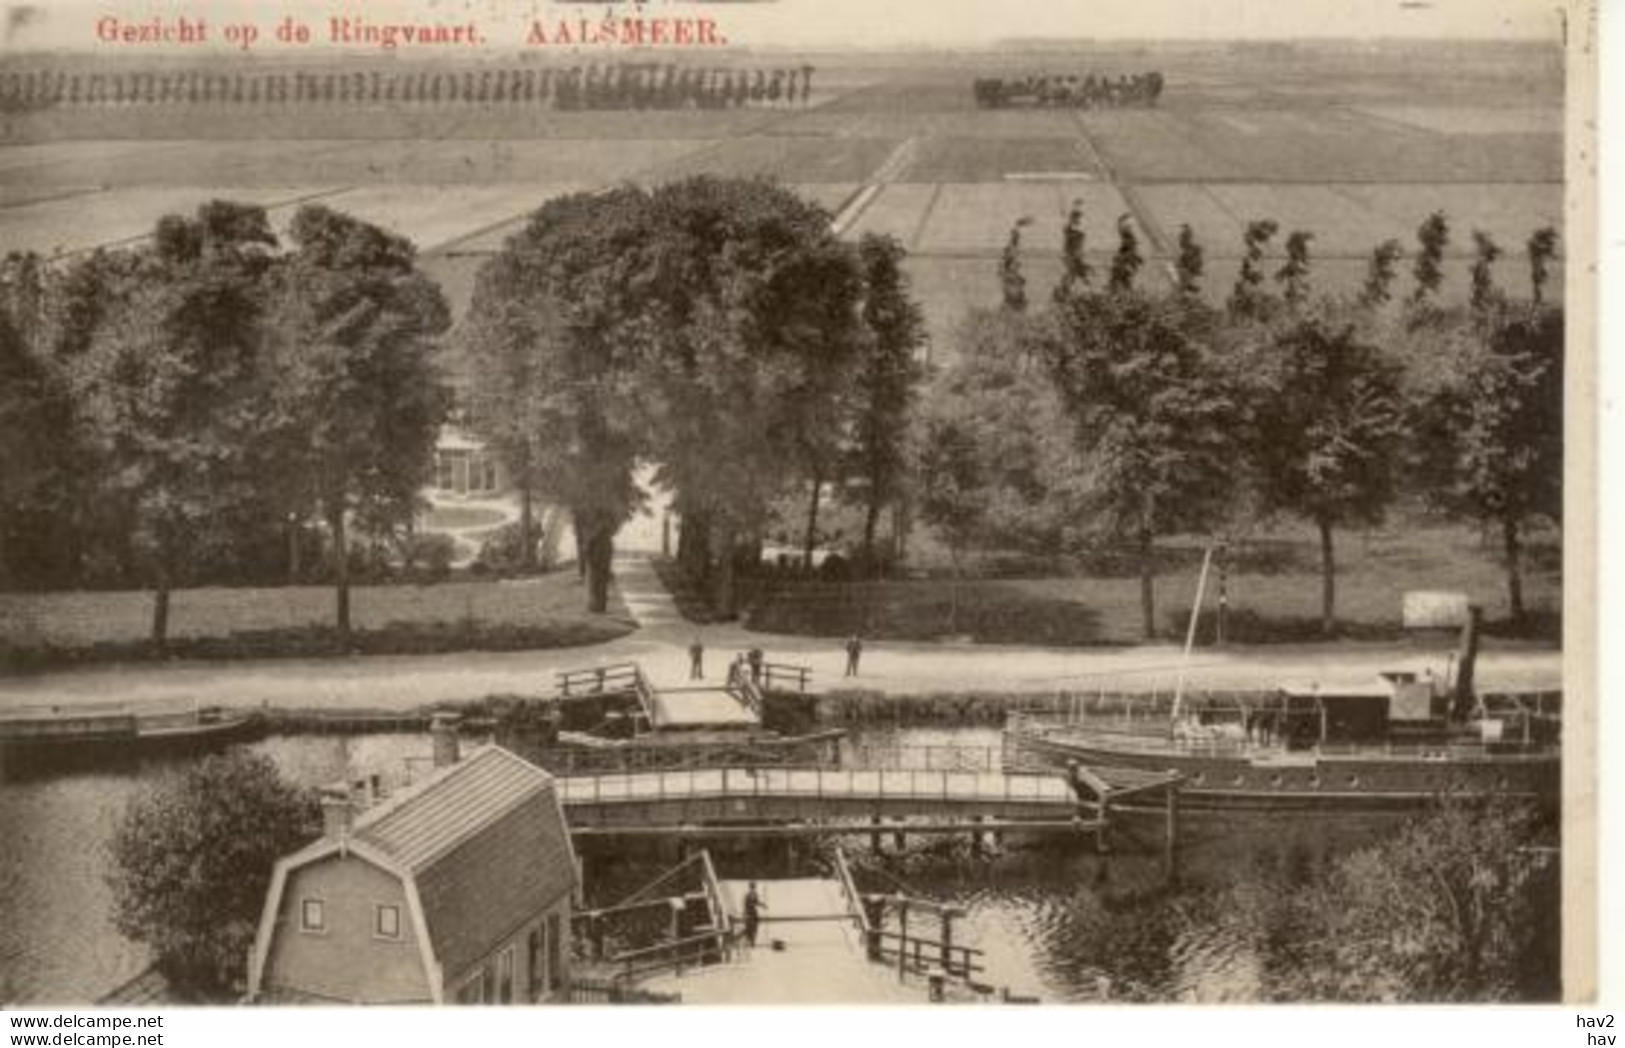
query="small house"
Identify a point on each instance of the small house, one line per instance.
(458, 889)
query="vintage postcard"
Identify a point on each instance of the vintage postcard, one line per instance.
(796, 502)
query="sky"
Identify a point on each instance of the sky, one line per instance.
(70, 24)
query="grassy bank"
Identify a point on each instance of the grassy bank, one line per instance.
(1273, 590)
(55, 629)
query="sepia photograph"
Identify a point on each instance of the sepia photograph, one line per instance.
(796, 502)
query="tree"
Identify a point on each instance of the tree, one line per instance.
(360, 402)
(888, 373)
(1541, 250)
(550, 343)
(33, 419)
(1011, 281)
(1188, 264)
(1294, 274)
(1489, 436)
(1485, 254)
(1155, 421)
(1463, 904)
(1074, 264)
(1432, 236)
(169, 386)
(191, 858)
(1328, 432)
(1247, 298)
(1379, 276)
(753, 341)
(1127, 261)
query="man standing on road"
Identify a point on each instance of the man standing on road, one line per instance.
(854, 651)
(696, 659)
(753, 914)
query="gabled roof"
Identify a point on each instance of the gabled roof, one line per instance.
(486, 841)
(480, 847)
(422, 823)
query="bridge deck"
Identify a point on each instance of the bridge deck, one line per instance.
(700, 707)
(952, 787)
(820, 960)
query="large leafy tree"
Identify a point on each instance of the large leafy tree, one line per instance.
(191, 859)
(752, 340)
(359, 399)
(552, 340)
(885, 389)
(1328, 431)
(169, 387)
(1155, 420)
(1489, 425)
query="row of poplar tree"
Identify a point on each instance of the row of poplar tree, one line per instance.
(1112, 412)
(606, 85)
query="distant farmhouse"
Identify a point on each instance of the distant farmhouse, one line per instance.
(458, 889)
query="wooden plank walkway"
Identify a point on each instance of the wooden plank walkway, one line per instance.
(809, 951)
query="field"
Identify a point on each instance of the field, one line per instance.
(1355, 146)
(1273, 590)
(82, 619)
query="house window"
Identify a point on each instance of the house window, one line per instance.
(445, 477)
(505, 976)
(386, 923)
(312, 916)
(536, 956)
(555, 970)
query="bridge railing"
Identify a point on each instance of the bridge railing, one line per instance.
(600, 680)
(832, 783)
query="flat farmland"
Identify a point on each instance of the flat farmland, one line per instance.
(93, 220)
(962, 159)
(787, 159)
(898, 210)
(978, 217)
(1507, 211)
(1455, 120)
(431, 218)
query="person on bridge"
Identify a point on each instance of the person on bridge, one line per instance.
(696, 659)
(854, 651)
(753, 913)
(756, 665)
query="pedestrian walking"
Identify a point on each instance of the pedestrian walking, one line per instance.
(753, 913)
(854, 651)
(696, 659)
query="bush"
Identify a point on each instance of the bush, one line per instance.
(428, 557)
(191, 861)
(502, 552)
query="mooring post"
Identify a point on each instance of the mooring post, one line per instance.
(898, 838)
(875, 843)
(902, 936)
(948, 940)
(1171, 841)
(1102, 847)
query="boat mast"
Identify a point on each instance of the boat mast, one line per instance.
(1190, 633)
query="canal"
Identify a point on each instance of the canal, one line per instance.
(1056, 920)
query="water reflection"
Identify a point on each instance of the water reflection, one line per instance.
(1056, 920)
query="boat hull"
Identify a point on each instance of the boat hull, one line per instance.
(1362, 782)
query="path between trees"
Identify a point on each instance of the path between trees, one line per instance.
(661, 643)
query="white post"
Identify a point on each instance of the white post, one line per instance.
(1190, 633)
